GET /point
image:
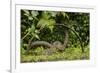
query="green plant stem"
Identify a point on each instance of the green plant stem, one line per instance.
(25, 36)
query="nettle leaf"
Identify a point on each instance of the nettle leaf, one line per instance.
(49, 23)
(34, 13)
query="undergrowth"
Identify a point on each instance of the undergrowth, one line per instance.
(36, 55)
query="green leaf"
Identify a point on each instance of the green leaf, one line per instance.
(51, 24)
(34, 13)
(37, 36)
(48, 23)
(42, 23)
(30, 18)
(64, 14)
(53, 14)
(51, 28)
(26, 12)
(45, 15)
(32, 28)
(23, 50)
(37, 31)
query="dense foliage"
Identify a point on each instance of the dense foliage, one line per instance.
(40, 25)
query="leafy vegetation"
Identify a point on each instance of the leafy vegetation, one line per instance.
(68, 54)
(42, 26)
